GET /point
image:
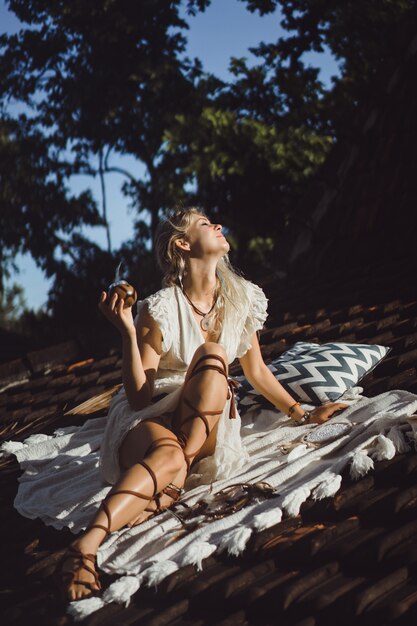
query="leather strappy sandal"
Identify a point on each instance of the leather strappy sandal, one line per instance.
(65, 578)
(171, 490)
(183, 437)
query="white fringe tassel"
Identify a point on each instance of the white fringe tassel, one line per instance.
(361, 464)
(122, 590)
(80, 609)
(267, 519)
(10, 447)
(160, 570)
(384, 449)
(292, 502)
(196, 552)
(235, 540)
(327, 487)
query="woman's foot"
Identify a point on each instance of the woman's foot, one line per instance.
(77, 572)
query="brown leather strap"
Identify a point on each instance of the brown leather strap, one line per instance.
(69, 576)
(201, 415)
(74, 553)
(172, 491)
(107, 512)
(184, 440)
(85, 583)
(154, 445)
(210, 356)
(157, 502)
(128, 491)
(88, 569)
(231, 382)
(208, 366)
(183, 437)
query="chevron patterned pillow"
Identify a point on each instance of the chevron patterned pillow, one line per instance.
(318, 373)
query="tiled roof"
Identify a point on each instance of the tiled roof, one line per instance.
(351, 557)
(38, 390)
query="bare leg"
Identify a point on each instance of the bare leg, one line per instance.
(206, 391)
(168, 466)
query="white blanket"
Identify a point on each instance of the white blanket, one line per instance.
(61, 485)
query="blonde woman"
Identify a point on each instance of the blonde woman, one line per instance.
(176, 410)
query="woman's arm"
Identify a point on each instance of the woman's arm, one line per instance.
(262, 380)
(142, 347)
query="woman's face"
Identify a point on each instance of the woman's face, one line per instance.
(204, 237)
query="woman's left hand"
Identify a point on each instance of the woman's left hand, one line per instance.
(321, 414)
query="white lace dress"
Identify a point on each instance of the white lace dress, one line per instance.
(181, 336)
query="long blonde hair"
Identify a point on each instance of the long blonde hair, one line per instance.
(231, 285)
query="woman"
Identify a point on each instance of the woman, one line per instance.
(176, 410)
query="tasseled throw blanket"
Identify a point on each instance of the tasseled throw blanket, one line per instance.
(61, 485)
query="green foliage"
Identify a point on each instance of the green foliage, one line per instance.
(12, 306)
(37, 214)
(247, 170)
(103, 78)
(261, 247)
(96, 79)
(99, 77)
(21, 329)
(360, 35)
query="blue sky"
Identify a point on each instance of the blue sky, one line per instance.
(225, 29)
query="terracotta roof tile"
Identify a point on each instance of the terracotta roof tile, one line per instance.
(12, 373)
(55, 356)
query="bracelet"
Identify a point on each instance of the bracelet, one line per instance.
(292, 407)
(304, 418)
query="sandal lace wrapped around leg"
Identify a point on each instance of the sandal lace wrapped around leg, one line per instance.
(197, 413)
(67, 577)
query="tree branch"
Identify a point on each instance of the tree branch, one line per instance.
(104, 198)
(120, 170)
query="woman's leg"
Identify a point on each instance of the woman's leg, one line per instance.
(168, 466)
(205, 391)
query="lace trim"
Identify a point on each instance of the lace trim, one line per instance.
(160, 309)
(256, 318)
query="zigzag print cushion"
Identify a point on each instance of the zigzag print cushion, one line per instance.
(317, 373)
